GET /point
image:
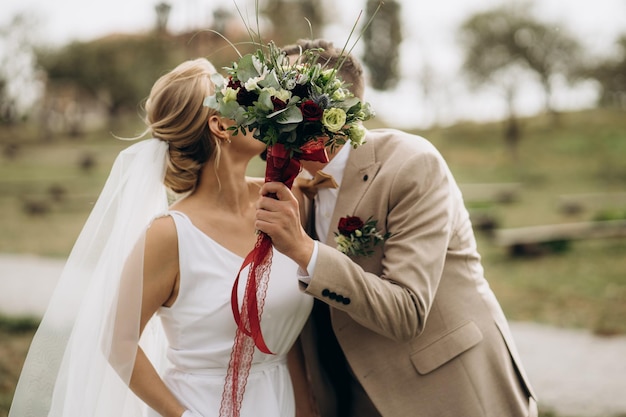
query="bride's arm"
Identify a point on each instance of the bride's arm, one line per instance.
(147, 385)
(160, 287)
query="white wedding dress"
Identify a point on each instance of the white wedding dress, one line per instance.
(81, 359)
(200, 328)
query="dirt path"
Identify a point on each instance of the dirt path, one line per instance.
(573, 372)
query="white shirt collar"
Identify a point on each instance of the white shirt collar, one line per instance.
(337, 165)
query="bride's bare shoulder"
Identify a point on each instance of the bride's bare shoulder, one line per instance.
(162, 231)
(255, 182)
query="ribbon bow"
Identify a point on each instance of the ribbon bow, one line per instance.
(321, 180)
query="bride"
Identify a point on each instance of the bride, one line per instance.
(141, 321)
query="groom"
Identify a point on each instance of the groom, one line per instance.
(411, 329)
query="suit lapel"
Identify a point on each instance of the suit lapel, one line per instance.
(361, 169)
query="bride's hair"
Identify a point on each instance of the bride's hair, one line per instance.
(175, 113)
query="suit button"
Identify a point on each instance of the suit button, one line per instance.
(345, 300)
(325, 292)
(339, 298)
(332, 295)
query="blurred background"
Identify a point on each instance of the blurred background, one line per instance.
(526, 101)
(425, 49)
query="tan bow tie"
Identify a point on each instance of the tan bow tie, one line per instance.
(321, 180)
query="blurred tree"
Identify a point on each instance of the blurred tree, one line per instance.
(506, 44)
(611, 75)
(549, 51)
(221, 16)
(289, 18)
(7, 103)
(117, 71)
(108, 77)
(19, 84)
(162, 10)
(382, 42)
(486, 38)
(510, 36)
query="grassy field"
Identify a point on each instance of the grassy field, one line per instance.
(48, 188)
(15, 337)
(46, 193)
(584, 286)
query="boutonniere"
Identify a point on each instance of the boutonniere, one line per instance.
(356, 237)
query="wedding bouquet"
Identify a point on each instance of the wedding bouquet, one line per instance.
(296, 107)
(289, 104)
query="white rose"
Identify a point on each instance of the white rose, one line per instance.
(230, 94)
(356, 134)
(281, 94)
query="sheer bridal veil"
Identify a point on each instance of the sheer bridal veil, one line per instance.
(82, 356)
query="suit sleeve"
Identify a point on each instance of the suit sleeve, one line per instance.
(420, 212)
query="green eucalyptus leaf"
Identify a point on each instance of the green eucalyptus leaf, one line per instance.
(218, 80)
(246, 69)
(229, 109)
(264, 102)
(211, 102)
(349, 102)
(291, 114)
(271, 80)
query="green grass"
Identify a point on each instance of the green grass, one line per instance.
(13, 348)
(583, 286)
(14, 325)
(27, 179)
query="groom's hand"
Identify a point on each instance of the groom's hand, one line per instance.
(279, 218)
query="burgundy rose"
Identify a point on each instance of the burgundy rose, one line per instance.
(246, 98)
(278, 104)
(348, 225)
(234, 84)
(311, 112)
(300, 90)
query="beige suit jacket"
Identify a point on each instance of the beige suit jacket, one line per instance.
(421, 329)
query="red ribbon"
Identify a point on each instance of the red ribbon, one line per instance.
(282, 166)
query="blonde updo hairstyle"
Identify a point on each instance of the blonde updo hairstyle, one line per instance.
(175, 113)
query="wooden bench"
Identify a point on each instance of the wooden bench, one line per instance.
(577, 203)
(480, 198)
(491, 192)
(534, 240)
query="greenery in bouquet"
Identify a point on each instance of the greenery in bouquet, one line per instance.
(289, 102)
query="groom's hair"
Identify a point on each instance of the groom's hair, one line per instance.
(351, 71)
